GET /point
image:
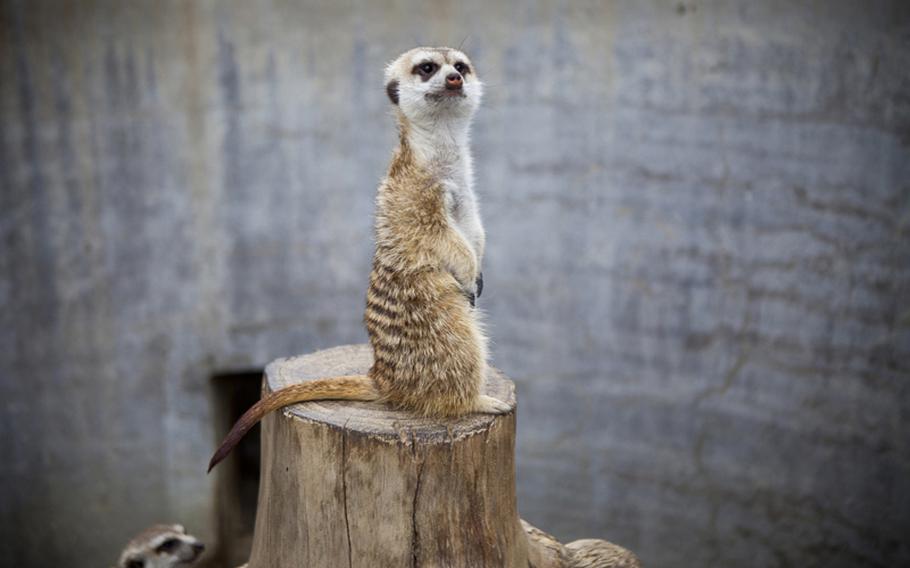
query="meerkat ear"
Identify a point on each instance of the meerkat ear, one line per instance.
(391, 89)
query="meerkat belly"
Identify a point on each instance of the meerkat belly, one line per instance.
(463, 214)
(428, 353)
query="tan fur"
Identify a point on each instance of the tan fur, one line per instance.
(594, 553)
(429, 350)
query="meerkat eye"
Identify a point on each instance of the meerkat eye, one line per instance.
(135, 563)
(462, 68)
(426, 68)
(168, 546)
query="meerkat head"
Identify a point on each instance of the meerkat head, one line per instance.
(433, 84)
(161, 546)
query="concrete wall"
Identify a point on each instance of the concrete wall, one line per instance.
(698, 217)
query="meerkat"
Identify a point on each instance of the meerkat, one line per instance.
(161, 546)
(596, 553)
(429, 349)
(545, 551)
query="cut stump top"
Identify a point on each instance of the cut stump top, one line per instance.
(373, 419)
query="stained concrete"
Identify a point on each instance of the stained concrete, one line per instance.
(698, 268)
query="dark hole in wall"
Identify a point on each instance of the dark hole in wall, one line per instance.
(238, 475)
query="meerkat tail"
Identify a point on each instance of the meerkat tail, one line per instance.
(354, 387)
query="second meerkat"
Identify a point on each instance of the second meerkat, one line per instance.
(429, 351)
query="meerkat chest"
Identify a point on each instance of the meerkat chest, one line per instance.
(464, 215)
(462, 210)
(460, 202)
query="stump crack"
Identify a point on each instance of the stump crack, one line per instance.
(415, 537)
(344, 488)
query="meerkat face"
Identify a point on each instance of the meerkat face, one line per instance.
(432, 83)
(161, 546)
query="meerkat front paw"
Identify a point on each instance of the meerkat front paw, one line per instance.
(467, 283)
(489, 405)
(472, 291)
(463, 266)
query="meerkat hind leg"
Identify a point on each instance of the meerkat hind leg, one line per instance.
(489, 405)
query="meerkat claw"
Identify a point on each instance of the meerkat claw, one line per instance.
(489, 405)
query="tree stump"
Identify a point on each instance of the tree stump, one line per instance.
(347, 484)
(356, 484)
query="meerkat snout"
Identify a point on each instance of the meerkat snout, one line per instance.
(454, 82)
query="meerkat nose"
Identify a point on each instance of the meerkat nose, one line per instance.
(453, 81)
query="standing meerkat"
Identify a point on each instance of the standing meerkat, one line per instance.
(161, 546)
(429, 351)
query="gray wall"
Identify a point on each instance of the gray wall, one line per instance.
(698, 272)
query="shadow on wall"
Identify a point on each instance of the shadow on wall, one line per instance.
(237, 482)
